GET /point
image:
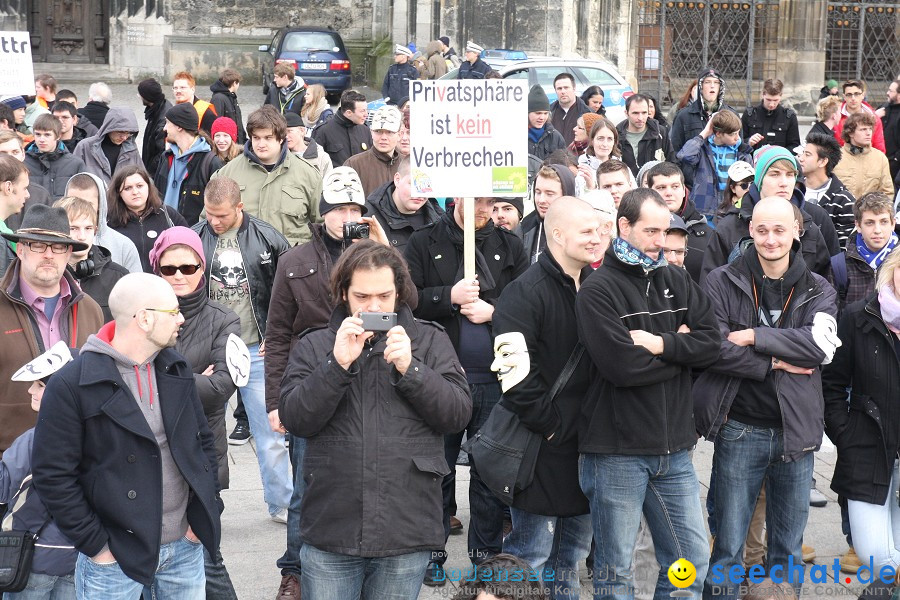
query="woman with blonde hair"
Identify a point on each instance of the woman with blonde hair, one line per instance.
(316, 110)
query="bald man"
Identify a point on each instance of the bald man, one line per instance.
(761, 403)
(535, 334)
(123, 456)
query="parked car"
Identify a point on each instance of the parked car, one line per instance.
(498, 58)
(542, 71)
(317, 54)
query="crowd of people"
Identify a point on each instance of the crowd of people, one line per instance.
(706, 275)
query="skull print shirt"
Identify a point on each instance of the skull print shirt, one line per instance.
(229, 286)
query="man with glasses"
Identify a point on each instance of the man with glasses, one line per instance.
(40, 304)
(124, 458)
(854, 94)
(676, 245)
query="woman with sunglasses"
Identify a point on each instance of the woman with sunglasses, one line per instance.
(740, 176)
(136, 211)
(177, 256)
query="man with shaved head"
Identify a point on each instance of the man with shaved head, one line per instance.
(123, 456)
(535, 335)
(761, 402)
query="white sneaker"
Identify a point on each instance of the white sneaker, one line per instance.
(281, 516)
(817, 498)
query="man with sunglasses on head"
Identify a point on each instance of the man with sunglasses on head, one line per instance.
(40, 304)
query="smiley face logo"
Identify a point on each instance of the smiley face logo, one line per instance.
(682, 573)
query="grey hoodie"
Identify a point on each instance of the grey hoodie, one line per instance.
(121, 249)
(141, 382)
(89, 150)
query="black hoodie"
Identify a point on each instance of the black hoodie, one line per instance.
(226, 104)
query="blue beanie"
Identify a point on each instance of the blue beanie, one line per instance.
(767, 156)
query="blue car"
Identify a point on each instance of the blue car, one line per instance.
(317, 54)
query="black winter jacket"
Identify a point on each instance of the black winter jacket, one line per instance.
(866, 430)
(551, 140)
(540, 305)
(202, 340)
(434, 265)
(891, 123)
(78, 134)
(52, 170)
(396, 82)
(154, 144)
(94, 112)
(395, 224)
(374, 458)
(341, 138)
(98, 280)
(261, 245)
(226, 105)
(799, 396)
(200, 167)
(699, 234)
(778, 127)
(143, 232)
(639, 403)
(655, 145)
(97, 465)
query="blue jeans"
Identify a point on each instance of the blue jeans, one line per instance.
(744, 457)
(218, 581)
(45, 587)
(486, 510)
(665, 488)
(553, 547)
(274, 463)
(330, 576)
(289, 563)
(179, 575)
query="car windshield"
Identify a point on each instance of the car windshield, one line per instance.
(310, 41)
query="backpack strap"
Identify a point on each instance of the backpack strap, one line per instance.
(839, 272)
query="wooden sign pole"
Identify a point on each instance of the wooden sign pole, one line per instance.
(469, 239)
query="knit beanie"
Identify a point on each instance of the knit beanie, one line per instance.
(643, 171)
(17, 102)
(767, 156)
(537, 100)
(518, 202)
(172, 236)
(226, 125)
(589, 120)
(184, 115)
(151, 91)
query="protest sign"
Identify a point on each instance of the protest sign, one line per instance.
(468, 138)
(16, 71)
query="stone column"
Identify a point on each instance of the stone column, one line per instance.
(801, 48)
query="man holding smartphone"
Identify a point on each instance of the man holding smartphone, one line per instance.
(373, 407)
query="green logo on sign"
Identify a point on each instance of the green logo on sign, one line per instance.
(509, 180)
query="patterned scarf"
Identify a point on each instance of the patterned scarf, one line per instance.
(630, 255)
(723, 157)
(873, 258)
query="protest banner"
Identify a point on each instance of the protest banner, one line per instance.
(468, 138)
(16, 71)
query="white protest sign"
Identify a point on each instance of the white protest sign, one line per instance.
(468, 138)
(16, 71)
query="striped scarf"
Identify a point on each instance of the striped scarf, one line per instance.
(723, 157)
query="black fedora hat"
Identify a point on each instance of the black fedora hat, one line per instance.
(45, 224)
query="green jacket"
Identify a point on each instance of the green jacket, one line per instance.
(287, 197)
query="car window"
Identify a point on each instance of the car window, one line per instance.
(592, 76)
(273, 47)
(546, 75)
(308, 41)
(520, 74)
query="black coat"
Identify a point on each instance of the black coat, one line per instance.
(477, 70)
(867, 430)
(395, 224)
(654, 145)
(699, 234)
(154, 144)
(891, 123)
(143, 232)
(341, 138)
(200, 167)
(97, 465)
(550, 141)
(78, 134)
(434, 265)
(396, 82)
(639, 403)
(97, 275)
(52, 170)
(202, 340)
(226, 105)
(260, 245)
(94, 112)
(540, 305)
(778, 127)
(374, 458)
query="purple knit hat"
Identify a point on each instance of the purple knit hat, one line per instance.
(172, 236)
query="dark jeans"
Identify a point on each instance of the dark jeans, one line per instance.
(240, 413)
(289, 563)
(486, 510)
(218, 582)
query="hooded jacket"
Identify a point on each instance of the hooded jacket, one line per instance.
(799, 396)
(697, 156)
(197, 164)
(154, 144)
(202, 340)
(22, 342)
(287, 197)
(640, 403)
(540, 305)
(374, 168)
(317, 157)
(226, 104)
(370, 425)
(435, 65)
(341, 138)
(102, 466)
(535, 240)
(396, 225)
(143, 231)
(52, 170)
(90, 151)
(688, 124)
(97, 275)
(654, 145)
(289, 99)
(121, 249)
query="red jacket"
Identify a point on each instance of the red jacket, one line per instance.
(877, 133)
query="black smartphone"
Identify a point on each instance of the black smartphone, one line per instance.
(378, 321)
